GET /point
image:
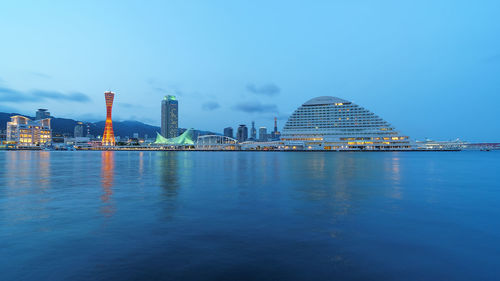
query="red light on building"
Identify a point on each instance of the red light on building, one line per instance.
(108, 138)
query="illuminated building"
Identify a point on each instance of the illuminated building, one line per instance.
(216, 142)
(26, 132)
(108, 138)
(330, 123)
(169, 117)
(185, 139)
(242, 133)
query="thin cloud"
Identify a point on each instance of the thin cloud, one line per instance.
(210, 105)
(75, 96)
(269, 89)
(40, 74)
(128, 105)
(256, 107)
(12, 95)
(159, 87)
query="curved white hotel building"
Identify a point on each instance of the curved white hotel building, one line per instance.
(330, 123)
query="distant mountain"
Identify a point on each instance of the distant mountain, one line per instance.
(127, 128)
(5, 117)
(67, 126)
(121, 128)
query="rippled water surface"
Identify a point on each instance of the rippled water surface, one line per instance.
(249, 216)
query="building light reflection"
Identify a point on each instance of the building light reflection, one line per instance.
(107, 179)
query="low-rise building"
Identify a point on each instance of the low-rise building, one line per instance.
(26, 132)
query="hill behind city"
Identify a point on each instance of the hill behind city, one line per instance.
(66, 126)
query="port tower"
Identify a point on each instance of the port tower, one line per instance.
(108, 138)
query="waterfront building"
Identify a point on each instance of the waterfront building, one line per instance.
(331, 123)
(228, 132)
(78, 142)
(78, 131)
(42, 113)
(268, 145)
(262, 134)
(216, 142)
(169, 117)
(135, 135)
(185, 139)
(242, 133)
(253, 132)
(108, 138)
(442, 145)
(58, 138)
(26, 132)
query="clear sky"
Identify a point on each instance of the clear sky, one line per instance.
(431, 68)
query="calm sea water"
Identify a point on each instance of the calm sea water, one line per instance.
(249, 216)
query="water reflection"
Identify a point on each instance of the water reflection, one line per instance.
(337, 182)
(141, 164)
(26, 177)
(168, 165)
(394, 171)
(107, 178)
(239, 215)
(44, 169)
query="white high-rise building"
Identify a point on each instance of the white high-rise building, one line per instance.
(330, 123)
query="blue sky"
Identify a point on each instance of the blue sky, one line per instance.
(431, 68)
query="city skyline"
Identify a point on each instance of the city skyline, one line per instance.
(250, 72)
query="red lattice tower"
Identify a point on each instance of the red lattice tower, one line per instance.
(108, 138)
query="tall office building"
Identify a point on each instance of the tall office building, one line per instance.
(108, 138)
(242, 133)
(169, 117)
(78, 131)
(228, 132)
(42, 113)
(262, 134)
(253, 132)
